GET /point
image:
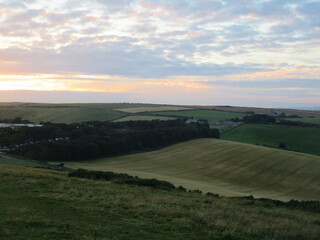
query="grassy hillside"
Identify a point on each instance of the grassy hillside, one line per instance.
(79, 112)
(43, 204)
(301, 113)
(201, 114)
(4, 159)
(305, 120)
(142, 118)
(152, 109)
(224, 167)
(60, 113)
(303, 139)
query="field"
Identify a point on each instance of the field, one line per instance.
(82, 112)
(305, 120)
(4, 159)
(59, 113)
(44, 204)
(152, 109)
(200, 114)
(303, 139)
(301, 113)
(223, 167)
(71, 113)
(142, 118)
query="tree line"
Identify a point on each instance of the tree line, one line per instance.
(82, 141)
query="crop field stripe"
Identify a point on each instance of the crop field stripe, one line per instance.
(210, 164)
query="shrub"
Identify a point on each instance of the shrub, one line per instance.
(282, 145)
(122, 178)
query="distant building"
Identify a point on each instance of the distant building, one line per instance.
(216, 122)
(224, 123)
(192, 120)
(15, 125)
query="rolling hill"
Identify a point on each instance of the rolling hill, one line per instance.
(82, 112)
(60, 113)
(46, 204)
(296, 138)
(200, 114)
(74, 113)
(223, 167)
(257, 110)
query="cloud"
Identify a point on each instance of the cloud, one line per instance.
(62, 97)
(266, 41)
(111, 58)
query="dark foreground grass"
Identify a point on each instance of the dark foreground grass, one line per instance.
(301, 139)
(44, 204)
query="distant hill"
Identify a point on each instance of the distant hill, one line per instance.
(74, 113)
(241, 109)
(224, 167)
(67, 113)
(82, 112)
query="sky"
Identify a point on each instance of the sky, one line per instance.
(210, 52)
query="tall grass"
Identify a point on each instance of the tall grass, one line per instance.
(42, 204)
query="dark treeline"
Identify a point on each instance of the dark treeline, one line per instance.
(16, 120)
(82, 141)
(124, 179)
(310, 206)
(266, 119)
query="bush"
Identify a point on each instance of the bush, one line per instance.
(213, 195)
(122, 178)
(282, 145)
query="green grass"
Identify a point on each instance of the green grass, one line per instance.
(223, 167)
(303, 139)
(142, 118)
(19, 162)
(77, 112)
(43, 204)
(62, 113)
(152, 109)
(305, 120)
(200, 114)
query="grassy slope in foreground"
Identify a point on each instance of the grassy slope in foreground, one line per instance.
(201, 114)
(303, 139)
(224, 167)
(43, 204)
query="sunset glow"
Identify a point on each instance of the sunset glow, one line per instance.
(258, 53)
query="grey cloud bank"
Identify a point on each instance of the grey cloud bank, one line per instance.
(161, 39)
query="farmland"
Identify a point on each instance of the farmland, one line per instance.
(4, 159)
(44, 204)
(303, 139)
(152, 109)
(224, 167)
(306, 120)
(142, 118)
(300, 113)
(83, 112)
(60, 113)
(200, 114)
(71, 113)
